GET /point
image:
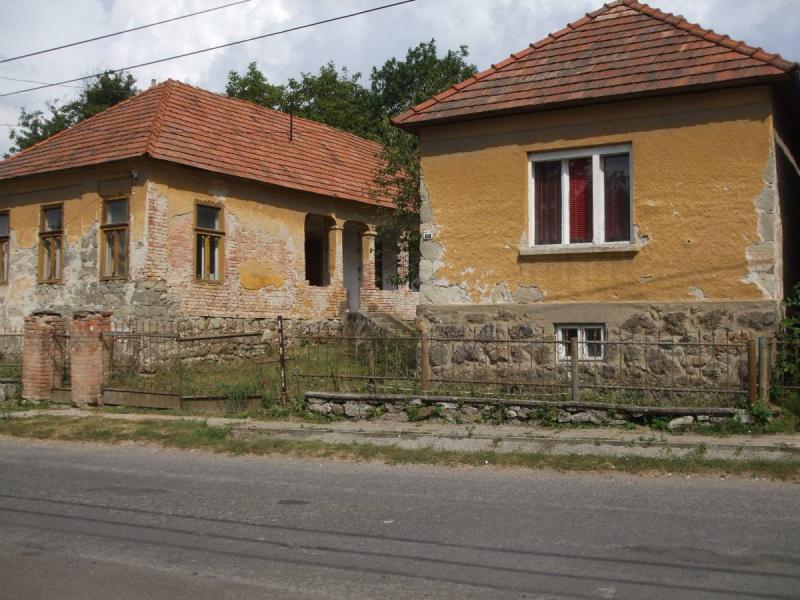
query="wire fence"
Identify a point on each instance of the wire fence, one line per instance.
(11, 341)
(226, 358)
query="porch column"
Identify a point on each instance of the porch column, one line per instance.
(368, 259)
(336, 255)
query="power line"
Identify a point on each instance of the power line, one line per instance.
(108, 35)
(227, 45)
(34, 81)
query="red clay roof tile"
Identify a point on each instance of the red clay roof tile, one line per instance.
(183, 124)
(621, 49)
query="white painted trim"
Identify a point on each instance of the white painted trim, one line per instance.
(564, 202)
(598, 197)
(598, 206)
(579, 153)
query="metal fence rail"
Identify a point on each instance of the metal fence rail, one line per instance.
(11, 343)
(237, 358)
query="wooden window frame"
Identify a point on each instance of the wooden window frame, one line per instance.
(596, 154)
(5, 255)
(583, 343)
(44, 234)
(209, 233)
(106, 227)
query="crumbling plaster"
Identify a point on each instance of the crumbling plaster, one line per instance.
(705, 207)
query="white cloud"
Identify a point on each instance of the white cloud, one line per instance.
(491, 28)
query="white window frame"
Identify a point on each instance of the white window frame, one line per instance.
(598, 195)
(583, 353)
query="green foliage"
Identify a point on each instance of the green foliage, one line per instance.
(98, 94)
(253, 86)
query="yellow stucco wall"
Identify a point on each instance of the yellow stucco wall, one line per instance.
(698, 165)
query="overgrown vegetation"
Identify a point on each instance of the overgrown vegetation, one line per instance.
(200, 435)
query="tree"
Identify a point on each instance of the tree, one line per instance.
(254, 87)
(397, 86)
(97, 95)
(332, 97)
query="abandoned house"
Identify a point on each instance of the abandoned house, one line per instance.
(182, 202)
(632, 172)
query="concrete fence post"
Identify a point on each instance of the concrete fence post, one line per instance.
(87, 355)
(42, 362)
(752, 372)
(763, 370)
(573, 357)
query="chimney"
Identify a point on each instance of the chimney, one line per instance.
(152, 82)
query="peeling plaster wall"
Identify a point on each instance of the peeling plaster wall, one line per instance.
(80, 195)
(264, 262)
(705, 207)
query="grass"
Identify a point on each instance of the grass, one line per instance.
(199, 435)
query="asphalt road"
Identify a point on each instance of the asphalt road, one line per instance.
(125, 522)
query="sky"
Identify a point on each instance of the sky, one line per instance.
(492, 29)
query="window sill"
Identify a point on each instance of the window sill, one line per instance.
(580, 249)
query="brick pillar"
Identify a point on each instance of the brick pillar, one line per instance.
(368, 259)
(86, 355)
(41, 358)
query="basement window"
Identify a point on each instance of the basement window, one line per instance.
(5, 232)
(114, 239)
(209, 242)
(51, 243)
(591, 340)
(581, 198)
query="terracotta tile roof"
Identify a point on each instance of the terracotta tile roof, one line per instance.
(183, 124)
(625, 48)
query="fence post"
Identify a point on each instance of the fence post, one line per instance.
(424, 360)
(282, 360)
(573, 355)
(752, 374)
(763, 370)
(42, 364)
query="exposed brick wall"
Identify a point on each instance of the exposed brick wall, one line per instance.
(401, 303)
(41, 361)
(86, 355)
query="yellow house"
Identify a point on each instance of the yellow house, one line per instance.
(180, 202)
(632, 172)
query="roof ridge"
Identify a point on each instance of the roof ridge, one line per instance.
(676, 21)
(249, 104)
(512, 58)
(709, 35)
(79, 124)
(158, 120)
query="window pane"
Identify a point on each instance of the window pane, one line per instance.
(618, 197)
(4, 261)
(108, 266)
(52, 219)
(116, 211)
(4, 224)
(122, 258)
(580, 200)
(548, 202)
(213, 259)
(200, 256)
(593, 350)
(207, 217)
(52, 257)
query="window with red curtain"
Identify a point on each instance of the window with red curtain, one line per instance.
(548, 202)
(580, 201)
(618, 197)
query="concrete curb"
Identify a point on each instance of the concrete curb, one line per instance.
(598, 441)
